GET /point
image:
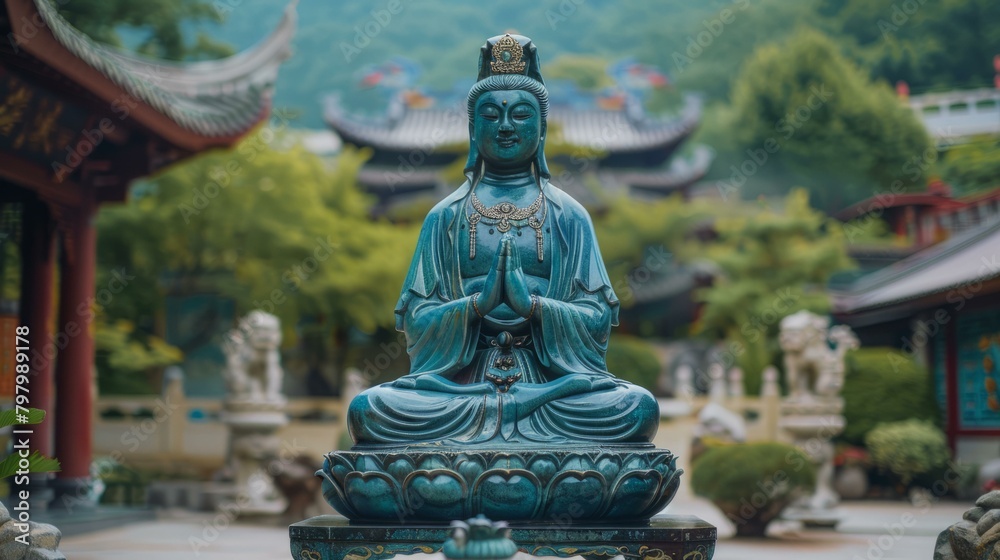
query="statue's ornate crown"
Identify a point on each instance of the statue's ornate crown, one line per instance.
(507, 54)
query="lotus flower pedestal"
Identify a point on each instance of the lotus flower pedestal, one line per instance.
(594, 502)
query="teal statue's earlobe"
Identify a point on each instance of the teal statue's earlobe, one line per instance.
(540, 163)
(472, 163)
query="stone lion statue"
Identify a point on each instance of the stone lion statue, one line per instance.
(253, 364)
(814, 368)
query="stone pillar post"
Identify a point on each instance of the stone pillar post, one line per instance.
(685, 383)
(717, 393)
(770, 396)
(736, 392)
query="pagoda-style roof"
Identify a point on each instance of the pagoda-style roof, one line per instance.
(935, 276)
(629, 135)
(885, 202)
(192, 105)
(680, 174)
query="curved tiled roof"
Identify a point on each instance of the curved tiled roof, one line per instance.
(212, 98)
(966, 259)
(682, 172)
(427, 129)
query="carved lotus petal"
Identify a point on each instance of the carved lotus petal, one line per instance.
(337, 466)
(635, 463)
(431, 462)
(664, 463)
(577, 463)
(668, 488)
(633, 494)
(575, 495)
(609, 467)
(507, 462)
(436, 494)
(334, 496)
(470, 467)
(513, 494)
(374, 493)
(544, 467)
(367, 463)
(399, 468)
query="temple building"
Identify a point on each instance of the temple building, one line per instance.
(917, 220)
(941, 305)
(79, 121)
(600, 144)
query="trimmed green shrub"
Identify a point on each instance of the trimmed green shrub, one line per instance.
(884, 385)
(908, 449)
(753, 482)
(633, 359)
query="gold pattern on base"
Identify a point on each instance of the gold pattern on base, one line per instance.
(647, 553)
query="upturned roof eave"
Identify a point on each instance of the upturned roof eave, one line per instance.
(858, 298)
(185, 119)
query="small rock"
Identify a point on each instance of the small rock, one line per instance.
(988, 521)
(973, 514)
(13, 550)
(4, 514)
(43, 554)
(942, 548)
(990, 538)
(44, 535)
(963, 540)
(990, 500)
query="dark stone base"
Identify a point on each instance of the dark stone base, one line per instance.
(667, 537)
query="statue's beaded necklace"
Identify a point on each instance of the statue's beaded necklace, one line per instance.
(502, 214)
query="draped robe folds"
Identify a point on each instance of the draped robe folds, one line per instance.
(569, 335)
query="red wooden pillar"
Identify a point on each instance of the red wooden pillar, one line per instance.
(74, 396)
(951, 384)
(37, 269)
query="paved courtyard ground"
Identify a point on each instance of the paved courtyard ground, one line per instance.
(869, 531)
(866, 533)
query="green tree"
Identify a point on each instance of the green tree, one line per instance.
(630, 231)
(974, 166)
(273, 229)
(587, 72)
(946, 44)
(162, 21)
(124, 357)
(803, 114)
(772, 265)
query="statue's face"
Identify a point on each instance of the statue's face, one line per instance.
(265, 337)
(507, 128)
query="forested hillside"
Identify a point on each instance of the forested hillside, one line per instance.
(938, 44)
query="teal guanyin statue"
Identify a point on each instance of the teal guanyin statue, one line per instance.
(509, 409)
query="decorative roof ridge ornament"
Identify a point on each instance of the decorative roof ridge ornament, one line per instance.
(507, 54)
